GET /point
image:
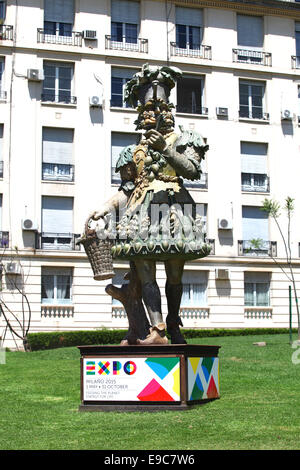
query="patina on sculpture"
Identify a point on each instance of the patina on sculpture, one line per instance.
(157, 218)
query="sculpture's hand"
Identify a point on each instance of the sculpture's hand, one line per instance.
(96, 215)
(156, 140)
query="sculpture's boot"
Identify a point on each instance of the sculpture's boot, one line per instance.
(174, 294)
(152, 300)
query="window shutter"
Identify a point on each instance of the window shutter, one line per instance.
(250, 30)
(256, 276)
(57, 214)
(118, 72)
(255, 223)
(254, 157)
(60, 11)
(118, 142)
(123, 11)
(57, 145)
(189, 16)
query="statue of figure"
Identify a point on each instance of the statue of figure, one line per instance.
(157, 218)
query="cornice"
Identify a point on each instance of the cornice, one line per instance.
(262, 7)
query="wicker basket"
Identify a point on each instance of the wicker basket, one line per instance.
(99, 254)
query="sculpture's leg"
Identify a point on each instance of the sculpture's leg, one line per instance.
(152, 300)
(174, 270)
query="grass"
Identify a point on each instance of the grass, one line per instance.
(259, 406)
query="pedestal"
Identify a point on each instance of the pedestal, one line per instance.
(148, 378)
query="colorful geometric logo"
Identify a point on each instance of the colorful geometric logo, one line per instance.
(203, 377)
(167, 371)
(103, 368)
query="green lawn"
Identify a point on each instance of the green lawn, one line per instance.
(259, 406)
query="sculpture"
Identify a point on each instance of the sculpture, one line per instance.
(153, 217)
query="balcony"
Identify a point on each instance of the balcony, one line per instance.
(4, 239)
(255, 114)
(6, 32)
(194, 313)
(201, 52)
(192, 109)
(197, 184)
(74, 39)
(295, 62)
(57, 241)
(63, 98)
(252, 57)
(257, 247)
(140, 45)
(57, 172)
(57, 311)
(118, 311)
(258, 313)
(255, 183)
(211, 242)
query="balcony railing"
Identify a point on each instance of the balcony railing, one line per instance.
(57, 311)
(257, 183)
(254, 114)
(6, 32)
(57, 172)
(75, 39)
(61, 98)
(257, 247)
(295, 62)
(57, 241)
(194, 313)
(1, 168)
(252, 57)
(202, 183)
(211, 242)
(4, 239)
(118, 312)
(201, 52)
(141, 45)
(255, 313)
(192, 109)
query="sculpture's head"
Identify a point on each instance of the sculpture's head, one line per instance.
(149, 92)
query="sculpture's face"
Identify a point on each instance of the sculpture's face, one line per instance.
(152, 112)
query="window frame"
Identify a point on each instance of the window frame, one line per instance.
(56, 300)
(57, 89)
(250, 106)
(194, 106)
(255, 293)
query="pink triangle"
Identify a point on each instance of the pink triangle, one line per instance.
(154, 392)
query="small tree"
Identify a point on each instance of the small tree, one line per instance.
(272, 208)
(17, 324)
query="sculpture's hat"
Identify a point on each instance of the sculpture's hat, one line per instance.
(151, 82)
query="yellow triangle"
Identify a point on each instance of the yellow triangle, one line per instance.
(194, 361)
(176, 385)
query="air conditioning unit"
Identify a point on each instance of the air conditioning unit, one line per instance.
(89, 34)
(29, 224)
(286, 114)
(222, 112)
(95, 101)
(225, 224)
(13, 268)
(35, 75)
(222, 274)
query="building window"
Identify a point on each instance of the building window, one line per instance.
(254, 167)
(255, 230)
(119, 140)
(57, 223)
(57, 154)
(125, 19)
(58, 17)
(2, 92)
(188, 28)
(1, 150)
(2, 10)
(256, 289)
(252, 100)
(194, 293)
(56, 286)
(190, 95)
(119, 78)
(57, 85)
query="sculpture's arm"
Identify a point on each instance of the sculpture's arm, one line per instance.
(118, 200)
(185, 163)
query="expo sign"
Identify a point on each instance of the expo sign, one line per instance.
(110, 367)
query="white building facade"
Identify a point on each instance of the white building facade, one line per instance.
(63, 66)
